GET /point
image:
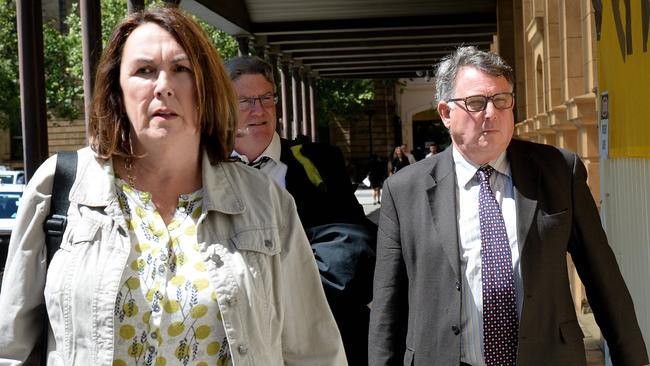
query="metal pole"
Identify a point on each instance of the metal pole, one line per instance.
(312, 110)
(134, 5)
(91, 43)
(29, 21)
(295, 85)
(304, 90)
(276, 79)
(242, 46)
(286, 94)
(370, 113)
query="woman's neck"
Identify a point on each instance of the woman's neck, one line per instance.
(165, 176)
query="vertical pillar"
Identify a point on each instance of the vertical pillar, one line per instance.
(312, 110)
(29, 21)
(295, 92)
(276, 79)
(304, 90)
(260, 51)
(134, 5)
(91, 43)
(242, 46)
(285, 95)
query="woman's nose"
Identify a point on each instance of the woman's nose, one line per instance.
(163, 86)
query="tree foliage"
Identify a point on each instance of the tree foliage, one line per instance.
(63, 59)
(342, 99)
(9, 91)
(64, 73)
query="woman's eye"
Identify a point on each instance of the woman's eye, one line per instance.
(144, 70)
(181, 68)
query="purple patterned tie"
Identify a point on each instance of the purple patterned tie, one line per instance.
(500, 321)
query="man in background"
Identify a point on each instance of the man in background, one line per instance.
(433, 150)
(342, 238)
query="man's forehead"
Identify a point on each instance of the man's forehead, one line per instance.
(252, 85)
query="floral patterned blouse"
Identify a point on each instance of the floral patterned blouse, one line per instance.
(166, 311)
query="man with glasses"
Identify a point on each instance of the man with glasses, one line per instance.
(472, 243)
(342, 239)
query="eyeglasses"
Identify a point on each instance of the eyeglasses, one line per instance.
(266, 100)
(478, 103)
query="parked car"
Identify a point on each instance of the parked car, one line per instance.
(10, 195)
(12, 177)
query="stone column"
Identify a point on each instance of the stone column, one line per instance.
(295, 92)
(304, 106)
(312, 109)
(242, 46)
(285, 99)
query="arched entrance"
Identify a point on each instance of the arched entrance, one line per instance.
(428, 128)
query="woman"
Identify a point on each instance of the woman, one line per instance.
(376, 175)
(400, 160)
(172, 255)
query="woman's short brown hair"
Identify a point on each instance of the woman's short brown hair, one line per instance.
(217, 109)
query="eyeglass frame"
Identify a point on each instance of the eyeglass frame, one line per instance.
(487, 100)
(252, 100)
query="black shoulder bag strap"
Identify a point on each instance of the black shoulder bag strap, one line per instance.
(64, 176)
(54, 227)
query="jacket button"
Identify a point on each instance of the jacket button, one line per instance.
(268, 243)
(457, 285)
(455, 329)
(242, 349)
(231, 301)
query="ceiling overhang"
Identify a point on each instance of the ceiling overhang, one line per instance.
(345, 39)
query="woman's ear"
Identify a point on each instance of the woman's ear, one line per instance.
(444, 111)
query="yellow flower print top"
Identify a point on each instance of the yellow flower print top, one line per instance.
(166, 312)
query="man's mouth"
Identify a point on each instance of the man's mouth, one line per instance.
(253, 124)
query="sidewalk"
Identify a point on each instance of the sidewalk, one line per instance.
(364, 196)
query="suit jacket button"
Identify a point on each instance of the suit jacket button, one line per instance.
(458, 285)
(455, 329)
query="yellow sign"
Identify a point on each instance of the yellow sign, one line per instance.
(624, 72)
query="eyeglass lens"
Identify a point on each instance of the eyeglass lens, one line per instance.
(477, 103)
(267, 100)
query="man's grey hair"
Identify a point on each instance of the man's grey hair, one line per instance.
(249, 65)
(450, 65)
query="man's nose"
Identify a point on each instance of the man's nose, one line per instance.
(257, 107)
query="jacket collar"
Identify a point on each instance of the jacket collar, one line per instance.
(525, 181)
(94, 185)
(441, 191)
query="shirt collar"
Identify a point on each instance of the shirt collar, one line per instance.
(466, 170)
(273, 151)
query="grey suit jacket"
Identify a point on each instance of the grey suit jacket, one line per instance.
(416, 310)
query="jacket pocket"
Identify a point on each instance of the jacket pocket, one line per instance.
(258, 250)
(263, 241)
(555, 227)
(571, 332)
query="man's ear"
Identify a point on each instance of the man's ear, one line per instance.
(444, 111)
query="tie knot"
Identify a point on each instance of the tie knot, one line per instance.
(484, 172)
(259, 163)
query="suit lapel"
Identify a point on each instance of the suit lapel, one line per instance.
(443, 207)
(525, 178)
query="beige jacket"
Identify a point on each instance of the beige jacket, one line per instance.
(259, 260)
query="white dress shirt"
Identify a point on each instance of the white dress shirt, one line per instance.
(470, 247)
(274, 168)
